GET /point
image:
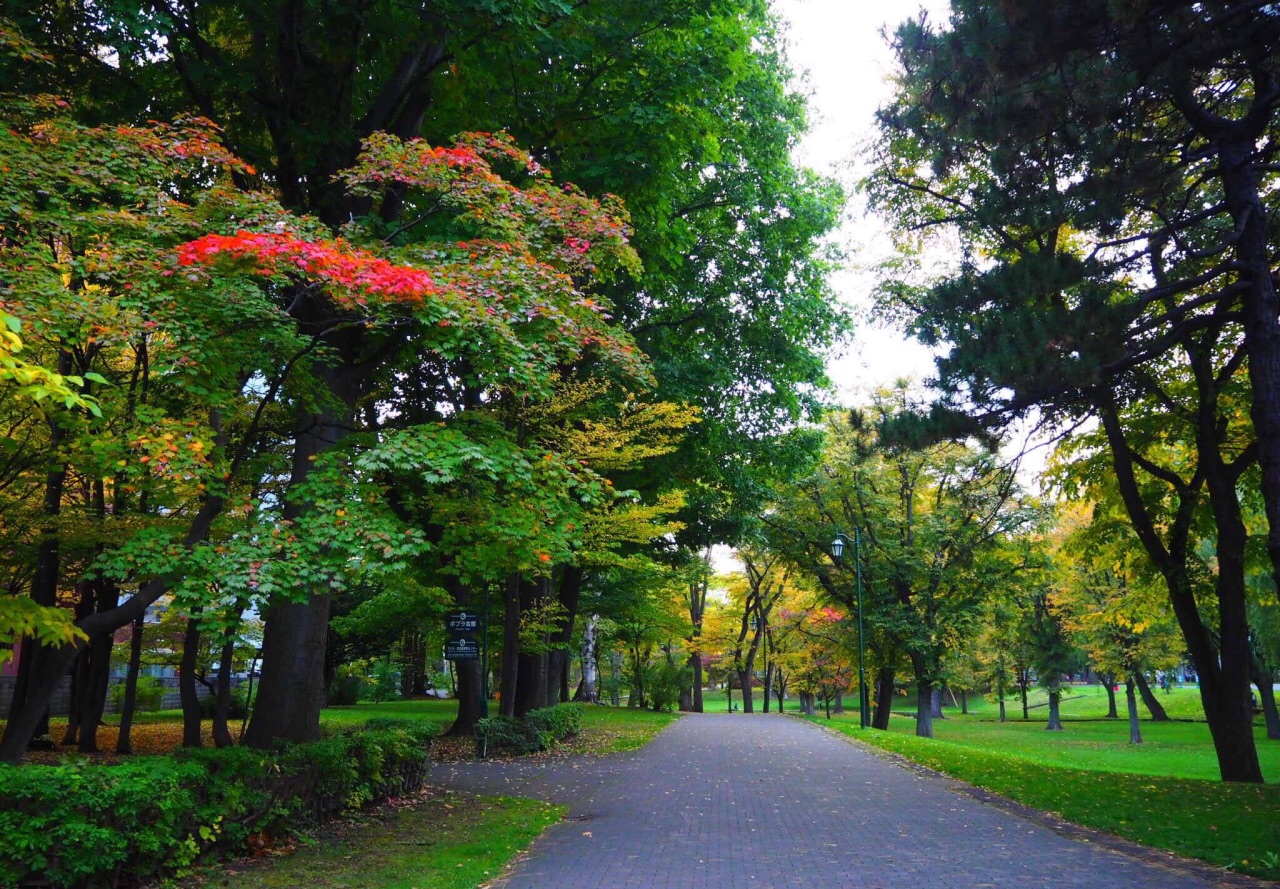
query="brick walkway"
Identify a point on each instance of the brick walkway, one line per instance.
(731, 801)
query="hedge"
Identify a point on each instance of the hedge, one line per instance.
(539, 730)
(86, 825)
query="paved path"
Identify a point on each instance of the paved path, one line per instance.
(731, 801)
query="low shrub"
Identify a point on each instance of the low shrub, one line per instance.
(665, 683)
(148, 694)
(87, 825)
(350, 684)
(539, 730)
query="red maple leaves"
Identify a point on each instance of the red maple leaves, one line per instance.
(351, 273)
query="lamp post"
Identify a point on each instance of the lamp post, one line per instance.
(837, 551)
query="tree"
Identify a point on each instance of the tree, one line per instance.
(1104, 237)
(933, 522)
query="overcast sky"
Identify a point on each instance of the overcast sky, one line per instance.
(837, 46)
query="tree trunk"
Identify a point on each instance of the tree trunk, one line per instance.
(768, 686)
(884, 699)
(472, 706)
(1055, 718)
(1135, 730)
(20, 731)
(1267, 696)
(748, 699)
(807, 703)
(1153, 704)
(780, 689)
(93, 702)
(615, 698)
(129, 701)
(1023, 682)
(222, 692)
(837, 704)
(510, 646)
(569, 594)
(1109, 682)
(190, 695)
(935, 704)
(695, 660)
(469, 686)
(924, 708)
(589, 690)
(291, 689)
(79, 679)
(531, 669)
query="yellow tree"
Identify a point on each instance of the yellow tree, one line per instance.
(1113, 609)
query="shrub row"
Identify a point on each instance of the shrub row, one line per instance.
(539, 730)
(85, 825)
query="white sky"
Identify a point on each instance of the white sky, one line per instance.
(837, 47)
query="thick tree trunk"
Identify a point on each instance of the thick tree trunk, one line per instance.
(924, 708)
(34, 668)
(187, 691)
(291, 689)
(1055, 717)
(1135, 730)
(469, 685)
(935, 705)
(837, 703)
(472, 706)
(531, 676)
(748, 699)
(1153, 704)
(884, 699)
(808, 703)
(93, 702)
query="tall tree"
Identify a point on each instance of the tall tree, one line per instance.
(1105, 172)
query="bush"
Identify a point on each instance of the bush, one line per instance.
(88, 825)
(350, 684)
(539, 730)
(665, 683)
(149, 694)
(239, 705)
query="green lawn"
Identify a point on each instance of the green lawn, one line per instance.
(448, 841)
(1162, 793)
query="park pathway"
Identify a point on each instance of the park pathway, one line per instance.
(729, 801)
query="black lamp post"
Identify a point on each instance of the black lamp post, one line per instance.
(837, 551)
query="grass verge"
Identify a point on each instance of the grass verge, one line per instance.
(1229, 825)
(442, 840)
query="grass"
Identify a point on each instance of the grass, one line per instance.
(1162, 793)
(619, 729)
(443, 841)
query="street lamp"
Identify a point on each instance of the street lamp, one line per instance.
(837, 551)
